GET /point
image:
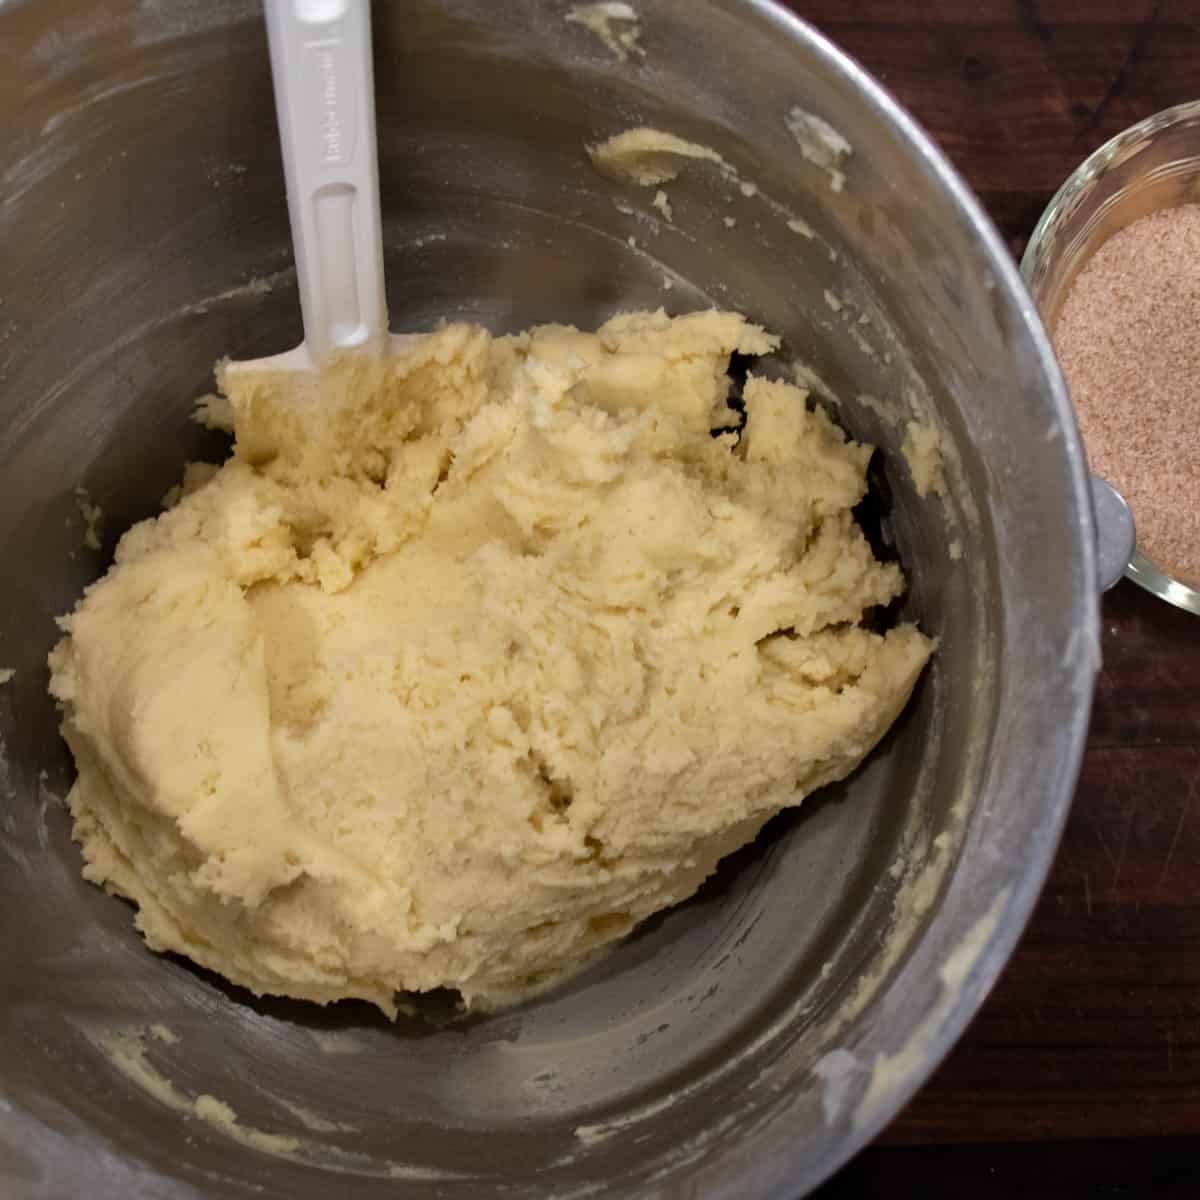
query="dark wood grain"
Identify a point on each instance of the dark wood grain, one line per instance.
(1094, 1029)
(1124, 1169)
(1093, 1032)
(1018, 92)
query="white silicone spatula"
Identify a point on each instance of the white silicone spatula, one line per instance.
(325, 103)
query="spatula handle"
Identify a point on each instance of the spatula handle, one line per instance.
(325, 104)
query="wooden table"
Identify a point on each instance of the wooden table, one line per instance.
(1081, 1075)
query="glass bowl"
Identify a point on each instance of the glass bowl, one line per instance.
(1150, 166)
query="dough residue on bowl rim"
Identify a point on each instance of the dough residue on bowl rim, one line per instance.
(126, 1050)
(614, 22)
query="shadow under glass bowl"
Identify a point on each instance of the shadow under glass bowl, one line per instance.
(1150, 166)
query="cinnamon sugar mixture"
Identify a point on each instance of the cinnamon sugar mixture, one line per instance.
(1128, 339)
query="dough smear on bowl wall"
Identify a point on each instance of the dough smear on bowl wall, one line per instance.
(455, 676)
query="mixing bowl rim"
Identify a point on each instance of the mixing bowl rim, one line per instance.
(1014, 906)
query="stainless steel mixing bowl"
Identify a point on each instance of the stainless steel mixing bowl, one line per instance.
(746, 1044)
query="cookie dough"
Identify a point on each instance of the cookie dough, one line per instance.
(649, 157)
(459, 669)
